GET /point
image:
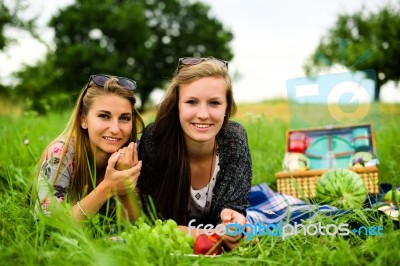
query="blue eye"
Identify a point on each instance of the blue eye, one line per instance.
(105, 116)
(125, 118)
(192, 102)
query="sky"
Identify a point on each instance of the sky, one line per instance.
(272, 40)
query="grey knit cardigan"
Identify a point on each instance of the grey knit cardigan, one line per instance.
(233, 181)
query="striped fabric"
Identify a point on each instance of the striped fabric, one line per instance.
(270, 207)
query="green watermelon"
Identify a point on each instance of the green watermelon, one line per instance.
(341, 188)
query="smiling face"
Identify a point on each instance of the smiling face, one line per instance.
(202, 107)
(109, 124)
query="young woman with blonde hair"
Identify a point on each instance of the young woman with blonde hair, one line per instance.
(94, 161)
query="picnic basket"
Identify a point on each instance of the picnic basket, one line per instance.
(321, 149)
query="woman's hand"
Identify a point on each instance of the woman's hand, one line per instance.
(128, 157)
(121, 182)
(229, 216)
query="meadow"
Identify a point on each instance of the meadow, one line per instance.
(59, 241)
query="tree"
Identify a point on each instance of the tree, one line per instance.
(140, 39)
(362, 41)
(5, 18)
(11, 18)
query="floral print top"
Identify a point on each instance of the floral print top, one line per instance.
(49, 189)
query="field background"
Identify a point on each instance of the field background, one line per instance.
(24, 135)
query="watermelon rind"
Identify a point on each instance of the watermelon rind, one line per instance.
(341, 188)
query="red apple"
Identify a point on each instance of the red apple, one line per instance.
(208, 244)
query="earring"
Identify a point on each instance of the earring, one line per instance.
(84, 126)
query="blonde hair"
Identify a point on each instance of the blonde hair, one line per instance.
(81, 180)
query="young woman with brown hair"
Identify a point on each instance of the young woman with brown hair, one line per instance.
(196, 161)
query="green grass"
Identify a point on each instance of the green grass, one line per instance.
(58, 241)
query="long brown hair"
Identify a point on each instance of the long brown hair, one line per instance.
(172, 168)
(83, 181)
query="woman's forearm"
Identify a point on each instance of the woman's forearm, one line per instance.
(91, 204)
(132, 207)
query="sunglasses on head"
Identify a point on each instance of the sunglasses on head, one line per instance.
(101, 79)
(197, 60)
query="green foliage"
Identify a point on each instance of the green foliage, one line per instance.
(139, 39)
(21, 146)
(59, 241)
(148, 238)
(39, 90)
(362, 41)
(265, 145)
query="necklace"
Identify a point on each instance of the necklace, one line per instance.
(209, 179)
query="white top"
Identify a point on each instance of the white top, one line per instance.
(200, 200)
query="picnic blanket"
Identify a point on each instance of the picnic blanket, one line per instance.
(270, 207)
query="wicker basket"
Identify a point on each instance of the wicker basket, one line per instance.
(324, 149)
(301, 184)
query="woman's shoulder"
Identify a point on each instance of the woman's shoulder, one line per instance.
(56, 147)
(233, 130)
(235, 125)
(232, 140)
(147, 133)
(145, 143)
(149, 127)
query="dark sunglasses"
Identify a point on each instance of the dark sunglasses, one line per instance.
(101, 79)
(197, 60)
